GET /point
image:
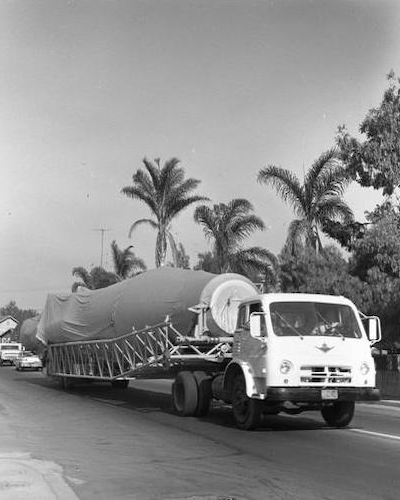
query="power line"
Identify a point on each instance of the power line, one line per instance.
(102, 230)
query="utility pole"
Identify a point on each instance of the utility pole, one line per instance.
(102, 230)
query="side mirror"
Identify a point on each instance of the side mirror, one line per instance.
(256, 326)
(372, 326)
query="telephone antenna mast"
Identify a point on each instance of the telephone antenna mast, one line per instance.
(102, 230)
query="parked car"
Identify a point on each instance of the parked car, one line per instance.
(28, 361)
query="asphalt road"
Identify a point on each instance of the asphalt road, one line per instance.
(128, 444)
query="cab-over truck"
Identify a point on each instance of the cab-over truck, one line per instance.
(285, 353)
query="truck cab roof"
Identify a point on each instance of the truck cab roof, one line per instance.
(298, 297)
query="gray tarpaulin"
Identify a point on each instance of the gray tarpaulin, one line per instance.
(141, 301)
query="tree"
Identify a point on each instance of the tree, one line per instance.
(11, 309)
(96, 278)
(228, 226)
(167, 193)
(380, 246)
(207, 262)
(126, 264)
(375, 260)
(316, 201)
(376, 161)
(181, 258)
(325, 272)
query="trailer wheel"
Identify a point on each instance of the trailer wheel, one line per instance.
(204, 394)
(339, 414)
(247, 411)
(120, 384)
(185, 394)
(66, 383)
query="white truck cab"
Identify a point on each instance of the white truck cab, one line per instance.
(9, 352)
(297, 352)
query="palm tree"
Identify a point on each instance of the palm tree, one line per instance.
(227, 226)
(96, 278)
(315, 202)
(167, 193)
(126, 264)
(180, 258)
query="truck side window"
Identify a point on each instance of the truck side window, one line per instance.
(257, 308)
(241, 318)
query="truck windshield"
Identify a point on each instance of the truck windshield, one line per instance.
(313, 318)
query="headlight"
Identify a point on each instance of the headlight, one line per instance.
(286, 366)
(364, 368)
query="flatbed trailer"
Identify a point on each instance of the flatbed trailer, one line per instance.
(159, 351)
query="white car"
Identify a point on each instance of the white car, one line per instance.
(28, 361)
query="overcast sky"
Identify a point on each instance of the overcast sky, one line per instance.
(90, 87)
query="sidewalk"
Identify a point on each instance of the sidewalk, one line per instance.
(23, 477)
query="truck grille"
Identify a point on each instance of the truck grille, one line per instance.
(325, 374)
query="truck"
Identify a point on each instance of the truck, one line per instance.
(9, 352)
(217, 338)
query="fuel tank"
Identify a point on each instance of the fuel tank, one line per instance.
(145, 300)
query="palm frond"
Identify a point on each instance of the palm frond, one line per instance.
(333, 208)
(286, 185)
(76, 285)
(173, 247)
(137, 193)
(84, 275)
(325, 161)
(297, 230)
(154, 173)
(140, 222)
(242, 228)
(252, 260)
(181, 204)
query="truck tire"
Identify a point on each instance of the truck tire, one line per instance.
(204, 394)
(185, 394)
(246, 411)
(66, 383)
(339, 414)
(120, 384)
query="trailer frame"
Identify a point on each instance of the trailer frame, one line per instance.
(159, 351)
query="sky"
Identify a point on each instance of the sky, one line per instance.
(88, 88)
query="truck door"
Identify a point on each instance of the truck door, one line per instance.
(247, 348)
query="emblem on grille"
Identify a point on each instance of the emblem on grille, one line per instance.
(324, 347)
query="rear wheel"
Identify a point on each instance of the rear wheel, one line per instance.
(66, 383)
(247, 411)
(204, 393)
(338, 414)
(185, 394)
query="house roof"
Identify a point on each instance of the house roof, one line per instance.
(5, 318)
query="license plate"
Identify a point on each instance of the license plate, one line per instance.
(329, 394)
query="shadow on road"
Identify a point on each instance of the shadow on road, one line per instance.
(148, 402)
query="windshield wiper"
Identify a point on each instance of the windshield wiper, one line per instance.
(289, 325)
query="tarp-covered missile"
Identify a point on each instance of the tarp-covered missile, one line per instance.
(27, 334)
(145, 300)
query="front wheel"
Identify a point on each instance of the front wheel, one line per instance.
(246, 411)
(338, 414)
